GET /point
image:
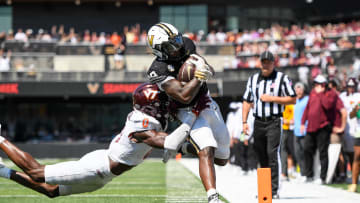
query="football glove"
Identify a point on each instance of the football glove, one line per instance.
(202, 71)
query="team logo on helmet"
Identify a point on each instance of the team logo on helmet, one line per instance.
(151, 39)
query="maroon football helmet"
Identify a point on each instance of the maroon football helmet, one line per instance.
(148, 99)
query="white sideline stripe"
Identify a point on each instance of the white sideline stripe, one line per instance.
(172, 198)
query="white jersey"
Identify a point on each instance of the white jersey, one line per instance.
(349, 102)
(234, 123)
(92, 171)
(125, 151)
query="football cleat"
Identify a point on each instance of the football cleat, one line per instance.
(214, 198)
(168, 154)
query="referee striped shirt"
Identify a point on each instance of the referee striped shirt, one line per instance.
(277, 84)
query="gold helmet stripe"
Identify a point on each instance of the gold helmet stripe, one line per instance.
(166, 28)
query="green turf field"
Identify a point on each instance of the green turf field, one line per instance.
(151, 181)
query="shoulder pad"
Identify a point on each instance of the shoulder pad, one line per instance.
(158, 71)
(142, 121)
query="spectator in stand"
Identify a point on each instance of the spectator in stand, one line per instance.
(302, 60)
(357, 43)
(115, 38)
(29, 34)
(284, 60)
(10, 35)
(303, 72)
(86, 38)
(344, 43)
(20, 36)
(211, 38)
(102, 39)
(120, 49)
(72, 38)
(331, 69)
(4, 60)
(46, 37)
(220, 36)
(143, 37)
(54, 35)
(94, 38)
(321, 101)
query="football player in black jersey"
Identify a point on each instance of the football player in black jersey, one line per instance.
(209, 135)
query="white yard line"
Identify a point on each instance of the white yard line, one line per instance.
(236, 187)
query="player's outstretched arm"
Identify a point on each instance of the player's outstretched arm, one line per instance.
(162, 139)
(182, 93)
(150, 137)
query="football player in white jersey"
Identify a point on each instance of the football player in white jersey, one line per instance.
(209, 135)
(143, 131)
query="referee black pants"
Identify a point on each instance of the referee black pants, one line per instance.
(267, 136)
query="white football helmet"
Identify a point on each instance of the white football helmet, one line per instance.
(165, 41)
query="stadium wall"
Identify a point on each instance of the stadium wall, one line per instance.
(99, 17)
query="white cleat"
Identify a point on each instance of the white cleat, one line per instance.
(168, 154)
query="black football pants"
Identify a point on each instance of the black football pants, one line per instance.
(317, 140)
(267, 136)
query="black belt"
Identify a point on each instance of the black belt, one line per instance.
(265, 119)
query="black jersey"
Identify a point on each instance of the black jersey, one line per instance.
(160, 70)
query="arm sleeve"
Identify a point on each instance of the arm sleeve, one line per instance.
(287, 88)
(248, 95)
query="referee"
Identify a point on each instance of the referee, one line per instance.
(268, 90)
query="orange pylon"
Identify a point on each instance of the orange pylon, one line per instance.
(264, 185)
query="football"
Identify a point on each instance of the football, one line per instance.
(187, 71)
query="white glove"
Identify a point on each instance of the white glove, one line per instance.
(202, 71)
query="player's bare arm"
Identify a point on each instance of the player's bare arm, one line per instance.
(279, 100)
(182, 93)
(150, 137)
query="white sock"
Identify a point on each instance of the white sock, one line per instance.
(5, 172)
(178, 136)
(211, 191)
(184, 148)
